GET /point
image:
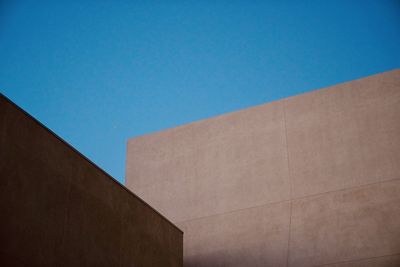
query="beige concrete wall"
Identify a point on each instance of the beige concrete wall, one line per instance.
(59, 209)
(311, 180)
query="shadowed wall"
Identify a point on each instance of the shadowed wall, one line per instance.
(311, 180)
(59, 209)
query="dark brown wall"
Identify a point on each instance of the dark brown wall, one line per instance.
(59, 209)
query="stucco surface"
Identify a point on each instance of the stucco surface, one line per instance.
(58, 209)
(230, 239)
(226, 163)
(344, 136)
(334, 154)
(349, 224)
(385, 261)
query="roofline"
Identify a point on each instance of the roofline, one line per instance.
(88, 160)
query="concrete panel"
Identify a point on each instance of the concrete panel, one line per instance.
(59, 209)
(346, 225)
(161, 151)
(31, 224)
(21, 130)
(231, 162)
(338, 138)
(98, 225)
(388, 261)
(344, 136)
(165, 243)
(94, 215)
(251, 237)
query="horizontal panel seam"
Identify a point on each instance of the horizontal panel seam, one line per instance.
(361, 259)
(286, 200)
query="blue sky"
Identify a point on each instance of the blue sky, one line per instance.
(100, 72)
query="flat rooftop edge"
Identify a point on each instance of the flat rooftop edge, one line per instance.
(88, 160)
(388, 72)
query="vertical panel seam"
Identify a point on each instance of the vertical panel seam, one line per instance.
(287, 147)
(290, 181)
(289, 236)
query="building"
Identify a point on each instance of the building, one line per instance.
(59, 209)
(311, 180)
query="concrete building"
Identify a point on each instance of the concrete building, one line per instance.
(311, 180)
(59, 209)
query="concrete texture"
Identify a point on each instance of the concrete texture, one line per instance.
(218, 152)
(59, 209)
(344, 136)
(351, 224)
(230, 239)
(332, 154)
(386, 261)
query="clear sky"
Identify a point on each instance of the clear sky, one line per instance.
(100, 72)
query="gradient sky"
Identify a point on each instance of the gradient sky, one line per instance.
(100, 72)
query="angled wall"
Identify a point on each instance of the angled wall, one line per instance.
(311, 180)
(59, 209)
